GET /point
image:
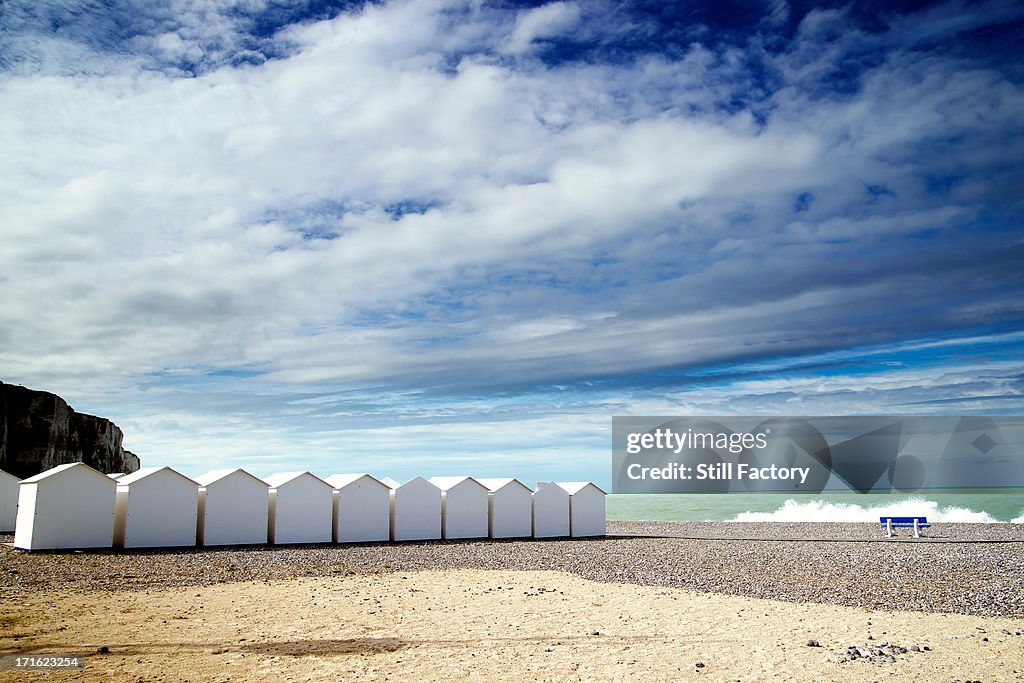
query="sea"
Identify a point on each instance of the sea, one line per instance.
(938, 505)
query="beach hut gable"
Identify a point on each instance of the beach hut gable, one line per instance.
(586, 508)
(155, 507)
(285, 479)
(9, 485)
(150, 474)
(463, 507)
(550, 511)
(448, 483)
(415, 511)
(215, 477)
(68, 506)
(233, 508)
(362, 508)
(574, 487)
(498, 483)
(301, 508)
(340, 481)
(510, 508)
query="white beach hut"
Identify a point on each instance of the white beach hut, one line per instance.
(9, 485)
(301, 508)
(115, 475)
(463, 507)
(68, 506)
(509, 507)
(155, 507)
(362, 508)
(550, 511)
(586, 508)
(233, 507)
(415, 511)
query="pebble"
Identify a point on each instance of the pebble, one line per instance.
(884, 653)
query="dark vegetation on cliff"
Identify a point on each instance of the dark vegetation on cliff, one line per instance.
(39, 430)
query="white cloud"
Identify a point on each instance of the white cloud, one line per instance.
(547, 21)
(404, 197)
(778, 12)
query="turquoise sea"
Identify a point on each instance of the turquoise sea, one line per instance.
(940, 505)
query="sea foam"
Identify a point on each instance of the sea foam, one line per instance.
(822, 511)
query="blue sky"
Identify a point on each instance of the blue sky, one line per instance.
(442, 238)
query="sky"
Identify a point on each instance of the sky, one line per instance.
(444, 238)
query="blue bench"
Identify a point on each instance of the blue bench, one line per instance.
(915, 523)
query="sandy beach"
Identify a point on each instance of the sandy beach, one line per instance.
(627, 607)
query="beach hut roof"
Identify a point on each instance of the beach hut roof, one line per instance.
(390, 483)
(417, 480)
(574, 487)
(496, 483)
(281, 478)
(60, 469)
(339, 481)
(446, 483)
(147, 472)
(216, 475)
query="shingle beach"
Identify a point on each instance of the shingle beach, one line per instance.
(975, 569)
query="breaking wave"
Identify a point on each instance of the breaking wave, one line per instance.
(822, 511)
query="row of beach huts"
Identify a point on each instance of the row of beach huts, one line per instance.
(76, 506)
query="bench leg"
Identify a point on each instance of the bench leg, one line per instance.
(888, 528)
(917, 530)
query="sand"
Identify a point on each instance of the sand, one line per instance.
(467, 624)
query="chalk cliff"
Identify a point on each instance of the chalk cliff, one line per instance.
(39, 430)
